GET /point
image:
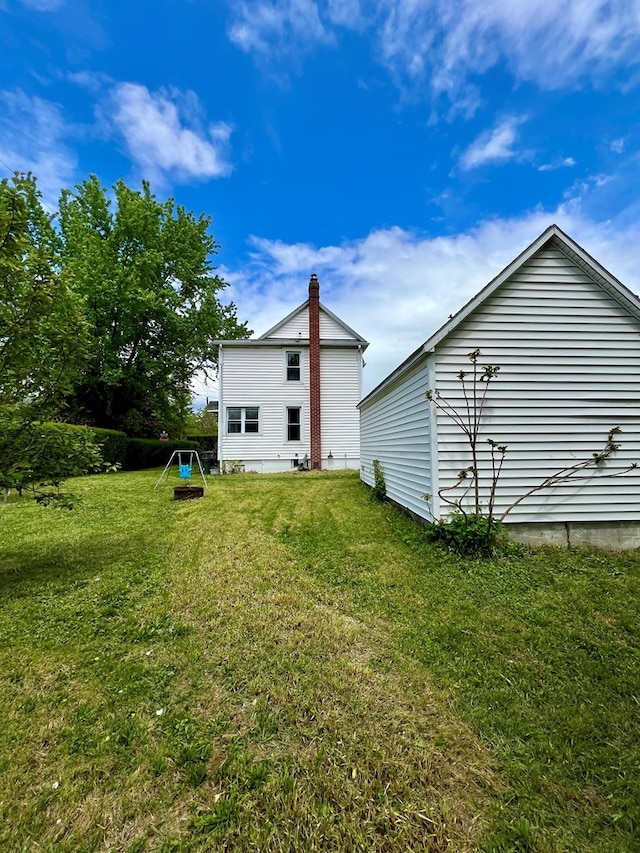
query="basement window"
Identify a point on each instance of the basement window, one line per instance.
(243, 420)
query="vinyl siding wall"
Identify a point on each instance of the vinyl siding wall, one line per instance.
(256, 376)
(298, 326)
(340, 371)
(395, 429)
(569, 355)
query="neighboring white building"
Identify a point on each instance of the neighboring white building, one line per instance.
(290, 397)
(566, 335)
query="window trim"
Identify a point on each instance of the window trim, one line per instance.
(287, 353)
(287, 424)
(243, 420)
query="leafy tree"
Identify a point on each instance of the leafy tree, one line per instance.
(42, 329)
(42, 344)
(144, 272)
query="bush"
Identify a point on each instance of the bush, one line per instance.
(469, 535)
(152, 453)
(379, 485)
(113, 445)
(204, 441)
(37, 457)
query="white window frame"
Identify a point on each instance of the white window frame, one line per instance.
(243, 420)
(295, 441)
(287, 353)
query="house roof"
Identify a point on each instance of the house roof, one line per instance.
(353, 334)
(553, 235)
(267, 339)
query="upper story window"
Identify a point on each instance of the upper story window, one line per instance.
(243, 420)
(293, 367)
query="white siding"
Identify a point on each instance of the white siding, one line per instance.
(296, 327)
(329, 329)
(256, 376)
(339, 394)
(394, 428)
(569, 355)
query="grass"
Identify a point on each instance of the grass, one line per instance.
(287, 665)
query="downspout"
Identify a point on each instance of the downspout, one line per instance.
(221, 418)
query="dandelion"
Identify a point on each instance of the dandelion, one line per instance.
(159, 712)
(150, 652)
(55, 786)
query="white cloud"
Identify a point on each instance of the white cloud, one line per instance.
(557, 164)
(274, 27)
(165, 136)
(493, 146)
(442, 44)
(396, 287)
(617, 146)
(551, 44)
(33, 136)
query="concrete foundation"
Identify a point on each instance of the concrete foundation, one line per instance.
(618, 535)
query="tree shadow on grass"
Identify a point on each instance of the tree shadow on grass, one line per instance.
(24, 572)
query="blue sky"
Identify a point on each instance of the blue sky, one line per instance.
(404, 150)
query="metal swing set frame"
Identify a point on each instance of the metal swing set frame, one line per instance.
(184, 468)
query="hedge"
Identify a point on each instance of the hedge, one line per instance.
(113, 445)
(151, 453)
(206, 441)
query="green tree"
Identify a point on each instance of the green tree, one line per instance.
(43, 335)
(144, 272)
(42, 345)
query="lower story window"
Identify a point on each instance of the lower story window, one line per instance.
(243, 419)
(293, 423)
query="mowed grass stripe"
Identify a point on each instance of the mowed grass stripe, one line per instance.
(286, 665)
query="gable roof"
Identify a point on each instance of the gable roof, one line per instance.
(352, 334)
(553, 236)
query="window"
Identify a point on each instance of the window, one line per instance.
(293, 367)
(293, 423)
(243, 420)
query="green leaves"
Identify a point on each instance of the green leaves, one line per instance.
(144, 272)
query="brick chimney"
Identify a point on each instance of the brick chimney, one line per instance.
(314, 373)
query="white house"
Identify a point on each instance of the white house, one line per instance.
(566, 336)
(289, 398)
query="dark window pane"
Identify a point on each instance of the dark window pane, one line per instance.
(293, 432)
(293, 416)
(251, 426)
(293, 374)
(293, 359)
(252, 414)
(234, 414)
(235, 426)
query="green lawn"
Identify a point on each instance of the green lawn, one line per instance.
(286, 665)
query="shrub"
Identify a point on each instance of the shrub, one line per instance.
(469, 535)
(37, 457)
(379, 484)
(204, 441)
(113, 445)
(152, 453)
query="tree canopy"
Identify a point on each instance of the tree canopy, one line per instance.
(43, 331)
(143, 270)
